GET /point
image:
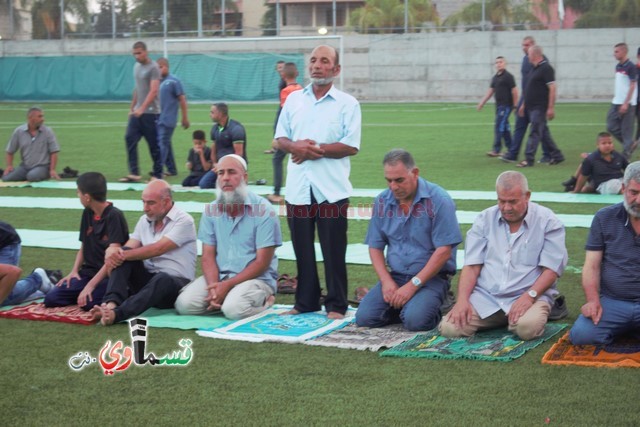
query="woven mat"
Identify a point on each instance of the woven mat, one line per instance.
(37, 311)
(359, 338)
(625, 352)
(492, 345)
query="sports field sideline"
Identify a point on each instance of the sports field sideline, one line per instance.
(235, 383)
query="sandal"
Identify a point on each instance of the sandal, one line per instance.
(130, 178)
(360, 293)
(524, 164)
(287, 284)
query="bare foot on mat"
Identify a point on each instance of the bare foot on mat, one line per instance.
(334, 315)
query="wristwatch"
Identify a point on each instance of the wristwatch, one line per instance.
(416, 281)
(533, 294)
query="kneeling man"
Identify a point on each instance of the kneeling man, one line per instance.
(514, 254)
(239, 232)
(610, 276)
(416, 222)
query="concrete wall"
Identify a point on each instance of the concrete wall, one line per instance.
(419, 67)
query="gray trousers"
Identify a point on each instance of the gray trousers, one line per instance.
(39, 173)
(621, 127)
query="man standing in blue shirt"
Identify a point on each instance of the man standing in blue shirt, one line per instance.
(416, 222)
(320, 126)
(620, 118)
(513, 255)
(171, 95)
(610, 275)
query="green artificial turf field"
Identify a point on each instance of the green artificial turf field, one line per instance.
(236, 383)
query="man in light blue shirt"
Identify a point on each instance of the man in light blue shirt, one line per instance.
(320, 126)
(239, 232)
(416, 222)
(514, 253)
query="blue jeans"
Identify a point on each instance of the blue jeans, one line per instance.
(22, 289)
(11, 254)
(618, 318)
(420, 313)
(502, 128)
(166, 151)
(145, 125)
(208, 180)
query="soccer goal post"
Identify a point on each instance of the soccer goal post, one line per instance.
(241, 68)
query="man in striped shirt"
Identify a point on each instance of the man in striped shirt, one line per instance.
(610, 276)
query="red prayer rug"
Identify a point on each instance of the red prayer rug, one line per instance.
(37, 311)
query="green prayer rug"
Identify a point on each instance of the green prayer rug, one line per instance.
(493, 345)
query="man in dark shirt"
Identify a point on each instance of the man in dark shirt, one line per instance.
(610, 276)
(228, 137)
(602, 171)
(503, 85)
(538, 105)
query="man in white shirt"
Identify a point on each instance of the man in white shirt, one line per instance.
(320, 126)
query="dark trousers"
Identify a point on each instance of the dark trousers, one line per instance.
(331, 220)
(519, 132)
(276, 161)
(138, 127)
(539, 133)
(67, 294)
(166, 150)
(191, 181)
(134, 289)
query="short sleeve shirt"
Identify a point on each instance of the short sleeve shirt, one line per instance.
(599, 170)
(411, 239)
(536, 94)
(625, 74)
(197, 169)
(8, 235)
(237, 239)
(143, 75)
(97, 233)
(225, 138)
(612, 233)
(170, 91)
(34, 150)
(502, 84)
(181, 230)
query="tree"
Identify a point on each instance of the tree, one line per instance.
(502, 14)
(606, 13)
(387, 16)
(103, 22)
(45, 15)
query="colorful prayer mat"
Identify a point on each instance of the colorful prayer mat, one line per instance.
(37, 311)
(169, 318)
(360, 338)
(492, 345)
(624, 352)
(273, 326)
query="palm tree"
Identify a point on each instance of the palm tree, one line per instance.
(386, 16)
(46, 17)
(502, 14)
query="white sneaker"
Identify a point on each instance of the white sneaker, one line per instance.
(46, 285)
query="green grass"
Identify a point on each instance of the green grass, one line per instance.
(233, 383)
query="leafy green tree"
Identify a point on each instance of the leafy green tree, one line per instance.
(45, 15)
(103, 22)
(387, 16)
(268, 22)
(606, 13)
(502, 14)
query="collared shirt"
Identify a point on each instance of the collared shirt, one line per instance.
(143, 75)
(411, 239)
(237, 239)
(335, 117)
(225, 137)
(536, 94)
(512, 262)
(502, 84)
(612, 233)
(34, 150)
(181, 230)
(600, 170)
(170, 90)
(625, 74)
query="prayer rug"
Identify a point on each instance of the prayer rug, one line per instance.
(492, 345)
(37, 311)
(624, 352)
(169, 318)
(272, 326)
(360, 338)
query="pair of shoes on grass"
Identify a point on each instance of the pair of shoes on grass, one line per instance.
(49, 278)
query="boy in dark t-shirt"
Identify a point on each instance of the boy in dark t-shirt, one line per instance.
(102, 226)
(503, 85)
(198, 160)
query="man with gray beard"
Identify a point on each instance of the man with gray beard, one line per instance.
(239, 232)
(610, 276)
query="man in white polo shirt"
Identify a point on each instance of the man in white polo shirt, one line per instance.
(320, 126)
(156, 262)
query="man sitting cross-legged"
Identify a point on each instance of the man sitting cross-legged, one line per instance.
(239, 232)
(514, 254)
(155, 263)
